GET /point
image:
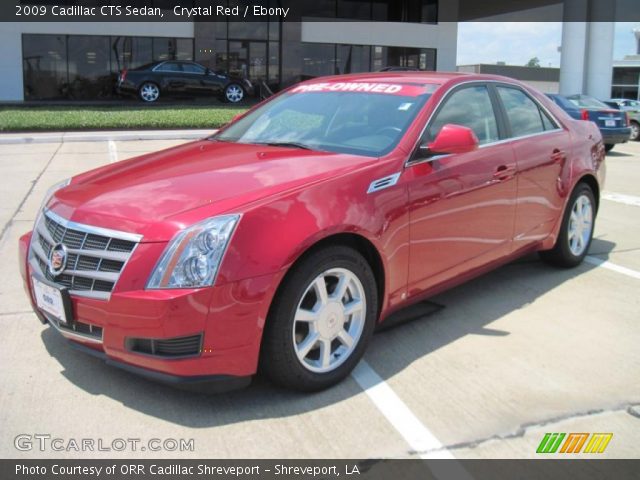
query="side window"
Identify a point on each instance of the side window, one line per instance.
(470, 107)
(170, 67)
(548, 123)
(193, 68)
(524, 115)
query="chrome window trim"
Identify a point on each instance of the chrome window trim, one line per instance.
(409, 162)
(158, 68)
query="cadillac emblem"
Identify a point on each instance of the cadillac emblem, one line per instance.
(57, 259)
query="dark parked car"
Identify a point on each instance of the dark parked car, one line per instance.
(632, 108)
(178, 78)
(613, 124)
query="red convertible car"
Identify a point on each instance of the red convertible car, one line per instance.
(283, 240)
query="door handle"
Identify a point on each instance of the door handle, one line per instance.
(558, 155)
(504, 172)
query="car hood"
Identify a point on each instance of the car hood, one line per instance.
(156, 194)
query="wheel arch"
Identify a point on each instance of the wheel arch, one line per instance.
(359, 243)
(592, 183)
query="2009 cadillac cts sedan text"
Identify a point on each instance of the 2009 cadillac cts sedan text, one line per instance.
(281, 242)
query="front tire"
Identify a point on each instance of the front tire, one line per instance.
(576, 231)
(233, 93)
(608, 147)
(321, 321)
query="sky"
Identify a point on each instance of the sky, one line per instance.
(516, 42)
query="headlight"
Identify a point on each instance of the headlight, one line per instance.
(193, 256)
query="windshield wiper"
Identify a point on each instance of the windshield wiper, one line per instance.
(287, 144)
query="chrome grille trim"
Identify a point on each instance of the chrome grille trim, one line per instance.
(96, 256)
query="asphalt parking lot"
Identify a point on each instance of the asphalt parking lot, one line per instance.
(519, 352)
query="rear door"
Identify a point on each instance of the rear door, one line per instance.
(171, 77)
(461, 206)
(541, 148)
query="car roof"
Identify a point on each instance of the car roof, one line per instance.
(420, 77)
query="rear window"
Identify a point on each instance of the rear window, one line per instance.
(588, 102)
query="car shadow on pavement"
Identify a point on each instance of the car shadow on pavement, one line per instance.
(613, 153)
(469, 308)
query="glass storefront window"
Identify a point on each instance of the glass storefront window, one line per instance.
(318, 59)
(352, 58)
(44, 60)
(89, 67)
(85, 67)
(172, 49)
(130, 52)
(274, 65)
(418, 58)
(184, 49)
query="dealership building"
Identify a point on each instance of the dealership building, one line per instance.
(80, 60)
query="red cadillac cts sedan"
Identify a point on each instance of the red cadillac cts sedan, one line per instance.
(283, 240)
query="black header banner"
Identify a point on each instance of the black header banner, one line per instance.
(320, 469)
(308, 10)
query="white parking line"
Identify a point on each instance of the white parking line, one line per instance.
(622, 198)
(113, 151)
(419, 438)
(598, 262)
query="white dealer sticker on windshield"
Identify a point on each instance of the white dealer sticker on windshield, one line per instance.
(368, 87)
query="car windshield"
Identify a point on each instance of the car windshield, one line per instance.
(588, 102)
(356, 122)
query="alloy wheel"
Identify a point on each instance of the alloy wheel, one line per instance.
(635, 131)
(329, 320)
(149, 92)
(580, 225)
(234, 93)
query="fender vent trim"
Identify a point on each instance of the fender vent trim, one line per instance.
(384, 182)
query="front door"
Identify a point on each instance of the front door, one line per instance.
(462, 206)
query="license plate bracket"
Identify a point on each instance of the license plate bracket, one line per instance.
(610, 122)
(53, 300)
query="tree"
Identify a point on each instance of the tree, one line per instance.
(534, 62)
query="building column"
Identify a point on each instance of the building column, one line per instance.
(600, 60)
(573, 57)
(586, 62)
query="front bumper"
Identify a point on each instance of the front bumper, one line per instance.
(229, 317)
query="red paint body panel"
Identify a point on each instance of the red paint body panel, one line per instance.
(442, 222)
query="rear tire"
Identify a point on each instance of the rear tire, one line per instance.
(608, 147)
(576, 231)
(149, 92)
(635, 131)
(321, 320)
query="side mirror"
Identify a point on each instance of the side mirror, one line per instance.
(451, 139)
(208, 71)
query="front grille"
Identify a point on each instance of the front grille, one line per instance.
(170, 347)
(95, 256)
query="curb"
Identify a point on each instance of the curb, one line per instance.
(121, 136)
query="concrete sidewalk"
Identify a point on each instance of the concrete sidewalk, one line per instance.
(102, 136)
